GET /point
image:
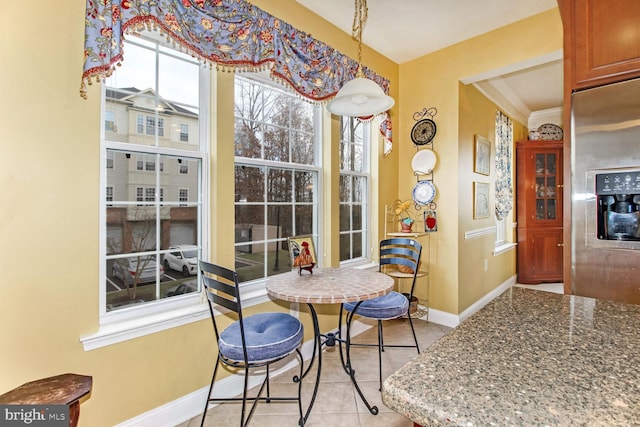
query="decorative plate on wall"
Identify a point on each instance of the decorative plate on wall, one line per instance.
(423, 162)
(424, 192)
(550, 132)
(423, 131)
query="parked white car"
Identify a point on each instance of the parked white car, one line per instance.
(182, 258)
(136, 269)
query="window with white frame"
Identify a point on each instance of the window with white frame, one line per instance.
(143, 180)
(354, 188)
(110, 120)
(184, 132)
(146, 124)
(109, 195)
(276, 175)
(183, 196)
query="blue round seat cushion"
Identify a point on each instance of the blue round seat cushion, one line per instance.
(269, 336)
(389, 306)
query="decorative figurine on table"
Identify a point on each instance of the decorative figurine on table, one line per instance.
(302, 253)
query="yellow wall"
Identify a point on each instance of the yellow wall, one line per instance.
(433, 81)
(49, 178)
(477, 117)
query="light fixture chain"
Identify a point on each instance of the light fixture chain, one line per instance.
(359, 19)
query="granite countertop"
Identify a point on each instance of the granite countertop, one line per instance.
(528, 358)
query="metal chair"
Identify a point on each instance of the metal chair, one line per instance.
(393, 252)
(254, 341)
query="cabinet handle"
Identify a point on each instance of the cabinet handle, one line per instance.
(560, 244)
(560, 185)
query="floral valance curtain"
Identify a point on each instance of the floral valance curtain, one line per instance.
(504, 142)
(228, 33)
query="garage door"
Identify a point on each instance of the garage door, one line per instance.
(114, 239)
(182, 233)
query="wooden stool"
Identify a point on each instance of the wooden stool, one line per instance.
(65, 389)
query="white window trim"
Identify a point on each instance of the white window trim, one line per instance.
(317, 168)
(116, 327)
(149, 320)
(366, 259)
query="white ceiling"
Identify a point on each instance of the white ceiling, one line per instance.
(403, 30)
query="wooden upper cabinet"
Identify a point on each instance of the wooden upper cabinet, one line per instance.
(604, 40)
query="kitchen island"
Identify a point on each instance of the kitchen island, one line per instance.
(528, 358)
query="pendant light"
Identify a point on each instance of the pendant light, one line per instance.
(360, 97)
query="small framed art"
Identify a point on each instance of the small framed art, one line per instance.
(482, 157)
(302, 253)
(480, 200)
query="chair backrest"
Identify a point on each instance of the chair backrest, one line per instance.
(221, 287)
(401, 251)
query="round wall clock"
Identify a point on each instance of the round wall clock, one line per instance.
(550, 132)
(423, 131)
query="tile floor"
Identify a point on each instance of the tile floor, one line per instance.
(337, 403)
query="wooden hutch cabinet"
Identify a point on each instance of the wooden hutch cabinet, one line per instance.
(539, 211)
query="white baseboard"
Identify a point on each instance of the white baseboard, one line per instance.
(452, 320)
(190, 405)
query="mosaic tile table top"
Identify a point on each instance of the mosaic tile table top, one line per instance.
(329, 285)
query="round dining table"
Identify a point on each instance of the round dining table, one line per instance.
(329, 286)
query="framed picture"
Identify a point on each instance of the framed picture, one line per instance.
(302, 252)
(482, 156)
(430, 221)
(480, 200)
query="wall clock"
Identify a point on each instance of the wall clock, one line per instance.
(423, 131)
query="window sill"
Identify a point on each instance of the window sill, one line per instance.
(127, 329)
(506, 247)
(116, 332)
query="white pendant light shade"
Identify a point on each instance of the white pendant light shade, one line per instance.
(360, 97)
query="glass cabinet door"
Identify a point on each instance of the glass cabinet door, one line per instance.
(546, 169)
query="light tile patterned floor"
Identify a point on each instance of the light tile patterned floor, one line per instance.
(337, 403)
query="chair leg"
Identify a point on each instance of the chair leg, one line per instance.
(268, 390)
(206, 403)
(301, 360)
(380, 350)
(415, 339)
(244, 395)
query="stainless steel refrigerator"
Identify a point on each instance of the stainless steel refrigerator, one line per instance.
(605, 192)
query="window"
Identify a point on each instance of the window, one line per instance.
(147, 125)
(184, 132)
(354, 188)
(109, 194)
(110, 120)
(183, 196)
(140, 124)
(276, 175)
(150, 125)
(143, 181)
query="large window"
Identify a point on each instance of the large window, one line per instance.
(149, 203)
(276, 175)
(354, 188)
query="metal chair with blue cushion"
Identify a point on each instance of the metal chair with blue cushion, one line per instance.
(254, 341)
(394, 252)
